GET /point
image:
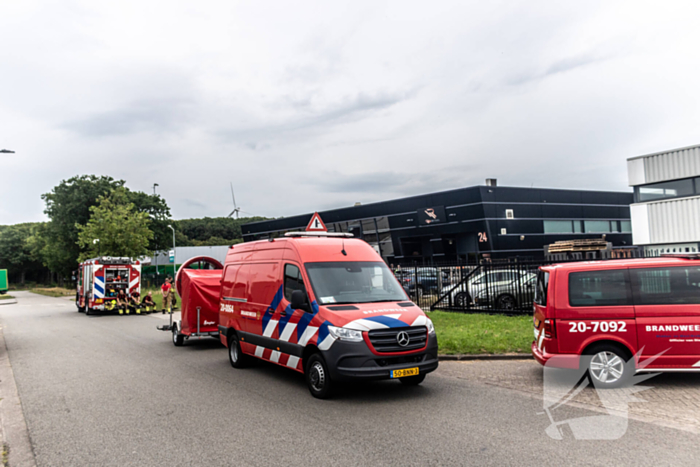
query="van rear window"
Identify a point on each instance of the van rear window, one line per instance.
(599, 288)
(542, 286)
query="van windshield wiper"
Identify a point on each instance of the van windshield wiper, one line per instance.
(358, 302)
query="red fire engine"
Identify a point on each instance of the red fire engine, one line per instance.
(100, 280)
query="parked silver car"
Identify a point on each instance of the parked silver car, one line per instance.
(504, 286)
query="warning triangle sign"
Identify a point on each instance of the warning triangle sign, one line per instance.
(316, 224)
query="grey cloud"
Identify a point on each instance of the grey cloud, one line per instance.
(192, 203)
(161, 115)
(399, 183)
(349, 109)
(558, 66)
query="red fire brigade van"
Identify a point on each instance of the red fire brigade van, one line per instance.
(101, 279)
(619, 317)
(323, 305)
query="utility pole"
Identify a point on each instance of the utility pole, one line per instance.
(154, 188)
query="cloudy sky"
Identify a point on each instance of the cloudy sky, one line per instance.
(309, 105)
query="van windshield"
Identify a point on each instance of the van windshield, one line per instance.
(353, 282)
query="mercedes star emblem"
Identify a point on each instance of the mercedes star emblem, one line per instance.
(403, 339)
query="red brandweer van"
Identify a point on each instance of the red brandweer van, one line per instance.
(323, 305)
(642, 311)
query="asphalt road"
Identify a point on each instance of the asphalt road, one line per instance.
(112, 390)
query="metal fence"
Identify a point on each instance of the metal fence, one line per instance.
(497, 287)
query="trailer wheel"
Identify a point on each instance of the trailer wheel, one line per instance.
(235, 355)
(317, 377)
(178, 339)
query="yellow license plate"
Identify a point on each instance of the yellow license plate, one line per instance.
(403, 373)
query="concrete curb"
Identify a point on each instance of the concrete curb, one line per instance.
(508, 356)
(13, 427)
(9, 301)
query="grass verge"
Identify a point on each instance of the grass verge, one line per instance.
(5, 297)
(469, 333)
(53, 291)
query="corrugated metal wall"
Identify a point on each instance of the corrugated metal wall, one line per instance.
(674, 221)
(679, 163)
(184, 253)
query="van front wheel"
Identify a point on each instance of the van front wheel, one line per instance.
(317, 377)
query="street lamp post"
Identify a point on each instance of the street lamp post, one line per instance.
(174, 253)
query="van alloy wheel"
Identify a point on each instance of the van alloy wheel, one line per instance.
(607, 367)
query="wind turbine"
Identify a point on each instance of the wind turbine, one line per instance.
(236, 209)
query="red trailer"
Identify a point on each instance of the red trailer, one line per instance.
(199, 291)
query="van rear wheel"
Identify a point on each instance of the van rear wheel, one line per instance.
(317, 377)
(235, 355)
(609, 366)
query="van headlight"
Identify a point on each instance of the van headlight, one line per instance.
(429, 325)
(345, 334)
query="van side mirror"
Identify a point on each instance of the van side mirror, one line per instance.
(298, 300)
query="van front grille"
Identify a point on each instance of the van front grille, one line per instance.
(387, 340)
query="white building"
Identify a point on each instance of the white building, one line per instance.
(666, 208)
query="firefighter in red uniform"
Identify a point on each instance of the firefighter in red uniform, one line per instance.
(167, 291)
(135, 302)
(148, 302)
(122, 302)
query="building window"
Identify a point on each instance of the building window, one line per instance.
(597, 226)
(558, 227)
(626, 226)
(578, 226)
(672, 189)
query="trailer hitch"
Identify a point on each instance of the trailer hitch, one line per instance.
(166, 327)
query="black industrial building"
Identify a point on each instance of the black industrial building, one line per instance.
(472, 223)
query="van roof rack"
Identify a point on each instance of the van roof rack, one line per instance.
(681, 255)
(319, 234)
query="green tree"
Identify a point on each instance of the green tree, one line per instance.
(207, 230)
(68, 205)
(121, 229)
(18, 251)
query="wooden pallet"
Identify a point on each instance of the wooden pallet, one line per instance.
(578, 245)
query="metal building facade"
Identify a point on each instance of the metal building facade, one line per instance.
(666, 209)
(472, 223)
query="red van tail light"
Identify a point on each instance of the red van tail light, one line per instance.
(550, 330)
